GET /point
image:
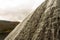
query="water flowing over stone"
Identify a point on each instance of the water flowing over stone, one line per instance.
(43, 24)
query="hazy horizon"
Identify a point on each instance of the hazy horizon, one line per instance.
(17, 10)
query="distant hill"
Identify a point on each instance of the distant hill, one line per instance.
(7, 26)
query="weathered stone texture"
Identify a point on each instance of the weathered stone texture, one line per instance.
(43, 24)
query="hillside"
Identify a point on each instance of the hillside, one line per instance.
(7, 26)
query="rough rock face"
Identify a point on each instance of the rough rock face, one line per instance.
(43, 24)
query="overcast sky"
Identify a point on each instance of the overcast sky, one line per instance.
(17, 10)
